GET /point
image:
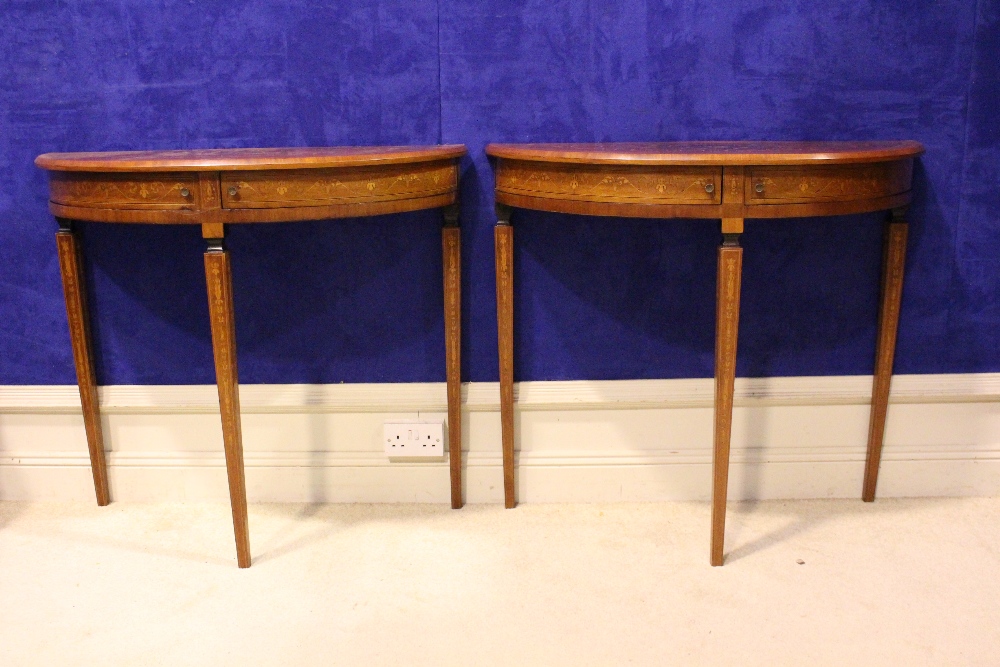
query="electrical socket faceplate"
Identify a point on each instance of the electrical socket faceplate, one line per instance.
(412, 439)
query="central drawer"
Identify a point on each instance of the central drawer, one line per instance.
(649, 184)
(340, 185)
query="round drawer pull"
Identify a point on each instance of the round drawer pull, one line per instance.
(710, 188)
(232, 191)
(185, 193)
(759, 188)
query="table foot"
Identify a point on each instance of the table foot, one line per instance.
(503, 239)
(74, 289)
(218, 274)
(451, 245)
(893, 264)
(727, 317)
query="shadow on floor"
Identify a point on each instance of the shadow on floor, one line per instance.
(334, 518)
(804, 515)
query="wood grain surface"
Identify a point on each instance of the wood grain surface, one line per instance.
(647, 184)
(179, 191)
(727, 317)
(218, 275)
(228, 159)
(828, 182)
(712, 153)
(684, 180)
(451, 247)
(503, 238)
(318, 187)
(893, 265)
(75, 292)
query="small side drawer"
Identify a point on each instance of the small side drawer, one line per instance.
(156, 191)
(342, 185)
(808, 183)
(651, 184)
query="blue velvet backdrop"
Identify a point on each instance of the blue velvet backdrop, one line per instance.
(359, 300)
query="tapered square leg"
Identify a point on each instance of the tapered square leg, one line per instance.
(503, 238)
(451, 245)
(727, 317)
(893, 263)
(220, 305)
(74, 289)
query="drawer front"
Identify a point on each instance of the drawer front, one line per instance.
(827, 182)
(611, 183)
(343, 185)
(158, 191)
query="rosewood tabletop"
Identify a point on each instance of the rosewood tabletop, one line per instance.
(218, 187)
(727, 181)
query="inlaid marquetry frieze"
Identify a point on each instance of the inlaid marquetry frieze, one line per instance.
(828, 182)
(318, 187)
(107, 190)
(650, 184)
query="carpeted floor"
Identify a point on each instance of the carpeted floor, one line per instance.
(897, 582)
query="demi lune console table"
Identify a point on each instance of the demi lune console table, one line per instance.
(218, 187)
(728, 181)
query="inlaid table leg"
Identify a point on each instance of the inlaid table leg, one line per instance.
(727, 318)
(218, 275)
(893, 263)
(503, 239)
(451, 244)
(74, 289)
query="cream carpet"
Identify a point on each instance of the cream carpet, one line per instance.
(898, 582)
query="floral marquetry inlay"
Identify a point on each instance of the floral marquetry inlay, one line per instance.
(178, 190)
(652, 184)
(830, 182)
(318, 187)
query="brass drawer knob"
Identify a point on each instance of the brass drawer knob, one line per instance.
(232, 190)
(759, 188)
(185, 193)
(710, 188)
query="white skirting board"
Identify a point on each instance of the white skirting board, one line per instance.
(582, 441)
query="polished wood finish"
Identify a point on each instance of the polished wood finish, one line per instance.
(451, 249)
(682, 180)
(233, 159)
(893, 263)
(728, 181)
(75, 292)
(219, 279)
(165, 191)
(215, 188)
(588, 182)
(712, 153)
(323, 187)
(252, 185)
(727, 320)
(835, 183)
(503, 239)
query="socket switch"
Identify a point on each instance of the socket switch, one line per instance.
(413, 439)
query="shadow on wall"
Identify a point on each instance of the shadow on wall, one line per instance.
(473, 262)
(356, 295)
(652, 282)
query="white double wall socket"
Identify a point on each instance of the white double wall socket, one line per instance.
(413, 439)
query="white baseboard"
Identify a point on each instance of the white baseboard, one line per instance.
(638, 440)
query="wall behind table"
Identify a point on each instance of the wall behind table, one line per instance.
(598, 298)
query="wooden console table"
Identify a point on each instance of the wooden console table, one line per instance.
(730, 181)
(215, 188)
